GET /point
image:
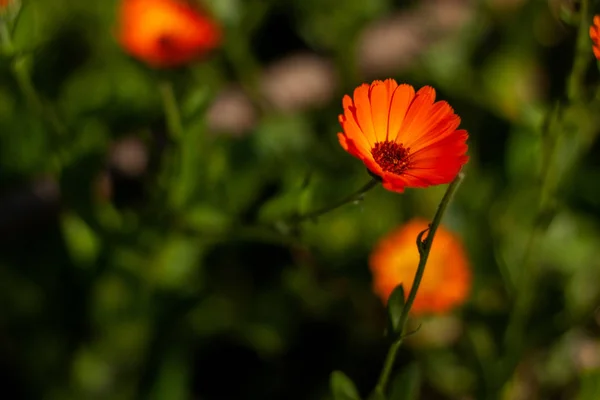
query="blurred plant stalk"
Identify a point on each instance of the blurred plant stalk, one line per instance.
(424, 247)
(20, 69)
(352, 198)
(171, 109)
(553, 134)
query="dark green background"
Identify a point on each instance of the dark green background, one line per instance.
(168, 286)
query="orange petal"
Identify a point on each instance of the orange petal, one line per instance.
(380, 109)
(401, 99)
(444, 146)
(416, 117)
(343, 141)
(350, 146)
(363, 112)
(391, 85)
(407, 179)
(441, 122)
(359, 143)
(350, 124)
(393, 187)
(372, 166)
(440, 163)
(165, 32)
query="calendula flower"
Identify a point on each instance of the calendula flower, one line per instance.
(405, 138)
(165, 33)
(447, 278)
(595, 35)
(6, 4)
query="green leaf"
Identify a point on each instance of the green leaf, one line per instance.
(186, 186)
(396, 303)
(82, 242)
(407, 384)
(176, 265)
(342, 387)
(32, 26)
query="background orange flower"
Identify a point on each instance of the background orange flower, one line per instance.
(595, 35)
(447, 279)
(165, 33)
(406, 138)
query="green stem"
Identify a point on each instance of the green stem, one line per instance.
(174, 157)
(5, 38)
(525, 281)
(246, 66)
(356, 196)
(424, 250)
(32, 97)
(247, 69)
(21, 75)
(171, 110)
(583, 55)
(551, 137)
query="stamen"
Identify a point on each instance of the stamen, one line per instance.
(391, 156)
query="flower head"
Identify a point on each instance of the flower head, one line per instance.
(447, 278)
(595, 35)
(5, 4)
(406, 138)
(165, 33)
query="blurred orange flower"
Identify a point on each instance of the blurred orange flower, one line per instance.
(165, 33)
(407, 139)
(447, 278)
(595, 35)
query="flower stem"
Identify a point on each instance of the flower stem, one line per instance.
(5, 38)
(21, 75)
(552, 134)
(244, 63)
(424, 250)
(583, 55)
(171, 110)
(356, 196)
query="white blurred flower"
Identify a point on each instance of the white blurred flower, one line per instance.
(298, 82)
(393, 44)
(129, 156)
(390, 45)
(232, 112)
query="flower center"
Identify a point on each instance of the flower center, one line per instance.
(391, 156)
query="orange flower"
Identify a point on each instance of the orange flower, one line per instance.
(447, 278)
(165, 33)
(406, 139)
(595, 35)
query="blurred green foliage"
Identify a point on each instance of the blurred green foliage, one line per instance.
(171, 272)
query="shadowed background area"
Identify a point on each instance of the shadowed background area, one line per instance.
(135, 264)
